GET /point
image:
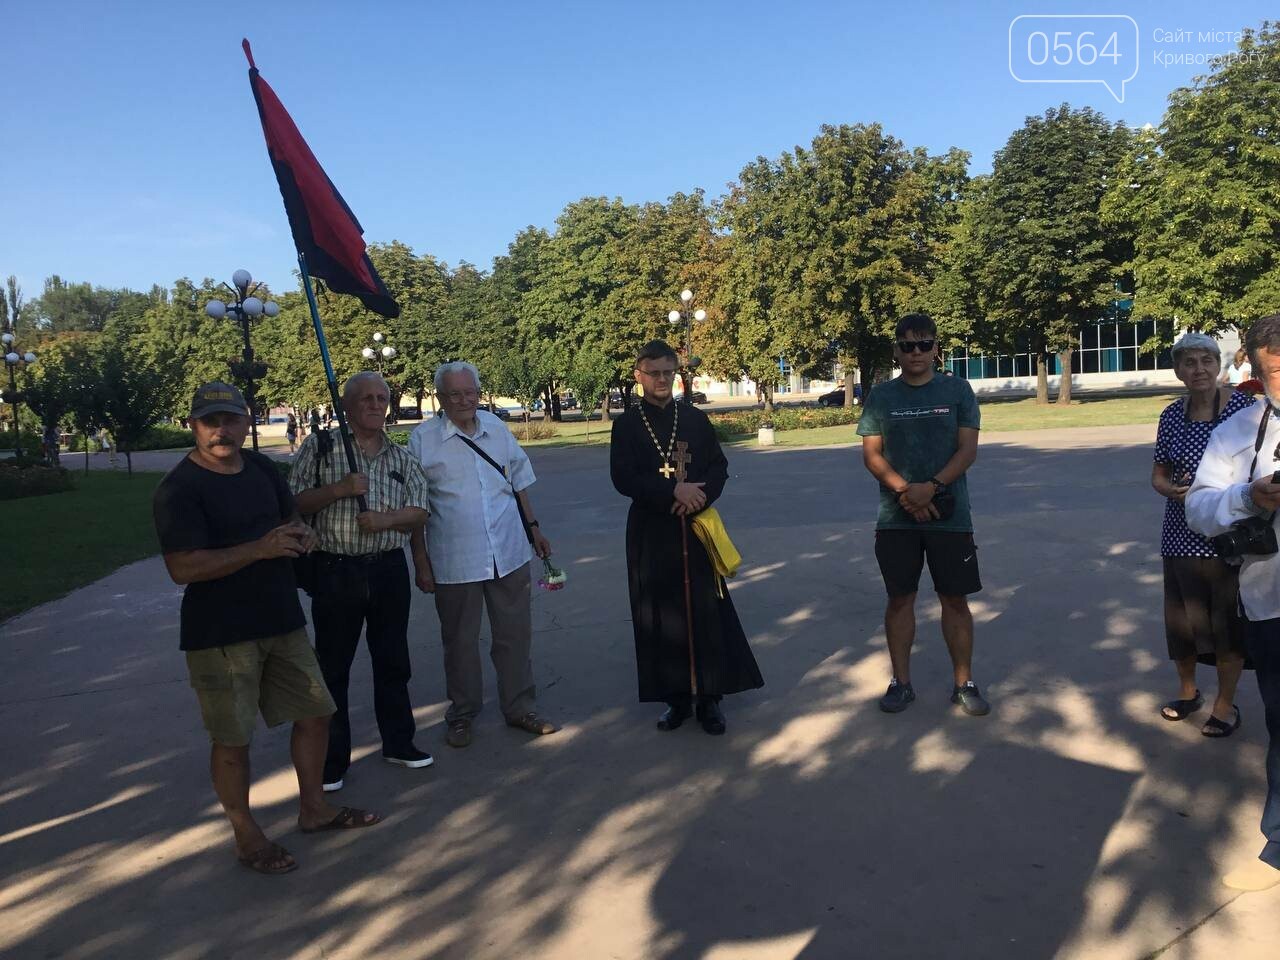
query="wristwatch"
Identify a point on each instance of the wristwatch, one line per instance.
(938, 485)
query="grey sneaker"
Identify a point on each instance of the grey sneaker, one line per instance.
(897, 697)
(970, 700)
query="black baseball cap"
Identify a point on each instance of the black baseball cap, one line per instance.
(217, 397)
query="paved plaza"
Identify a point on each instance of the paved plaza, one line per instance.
(1073, 822)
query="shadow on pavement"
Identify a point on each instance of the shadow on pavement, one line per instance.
(1072, 822)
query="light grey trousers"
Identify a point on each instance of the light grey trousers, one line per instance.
(507, 601)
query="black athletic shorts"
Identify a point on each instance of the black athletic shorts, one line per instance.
(952, 556)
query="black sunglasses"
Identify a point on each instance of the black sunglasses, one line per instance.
(924, 346)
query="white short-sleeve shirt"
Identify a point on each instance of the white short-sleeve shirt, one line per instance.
(474, 532)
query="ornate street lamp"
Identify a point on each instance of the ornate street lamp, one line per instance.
(379, 351)
(245, 308)
(687, 315)
(13, 359)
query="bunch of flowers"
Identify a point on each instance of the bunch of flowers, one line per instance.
(553, 578)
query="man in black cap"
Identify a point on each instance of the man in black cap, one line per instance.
(229, 531)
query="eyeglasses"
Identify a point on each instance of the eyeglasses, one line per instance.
(658, 374)
(453, 396)
(924, 346)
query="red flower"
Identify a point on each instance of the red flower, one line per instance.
(1253, 387)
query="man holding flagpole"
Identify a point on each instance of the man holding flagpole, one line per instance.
(690, 646)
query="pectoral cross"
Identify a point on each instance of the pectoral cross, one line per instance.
(681, 458)
(666, 470)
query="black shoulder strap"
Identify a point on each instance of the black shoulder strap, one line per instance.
(483, 456)
(524, 521)
(1262, 433)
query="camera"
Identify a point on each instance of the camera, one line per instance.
(1251, 537)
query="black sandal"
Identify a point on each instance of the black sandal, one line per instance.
(1217, 729)
(1181, 709)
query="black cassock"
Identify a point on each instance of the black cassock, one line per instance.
(655, 571)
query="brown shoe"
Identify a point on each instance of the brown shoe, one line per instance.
(459, 733)
(532, 723)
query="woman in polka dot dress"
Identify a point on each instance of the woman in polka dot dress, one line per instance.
(1201, 621)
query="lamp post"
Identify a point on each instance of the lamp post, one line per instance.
(13, 396)
(381, 350)
(243, 309)
(13, 359)
(687, 315)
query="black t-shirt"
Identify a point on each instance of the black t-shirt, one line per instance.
(198, 509)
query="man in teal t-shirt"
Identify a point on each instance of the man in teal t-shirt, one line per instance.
(920, 435)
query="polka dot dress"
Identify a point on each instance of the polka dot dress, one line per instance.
(1180, 443)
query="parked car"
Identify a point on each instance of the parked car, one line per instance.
(615, 400)
(408, 413)
(697, 395)
(568, 402)
(502, 413)
(836, 397)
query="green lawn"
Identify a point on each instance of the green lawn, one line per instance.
(997, 416)
(62, 541)
(1004, 415)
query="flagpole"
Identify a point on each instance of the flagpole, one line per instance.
(330, 376)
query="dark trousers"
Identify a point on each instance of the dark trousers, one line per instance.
(369, 593)
(1264, 650)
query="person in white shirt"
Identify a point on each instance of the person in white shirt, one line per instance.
(1238, 370)
(475, 552)
(1233, 486)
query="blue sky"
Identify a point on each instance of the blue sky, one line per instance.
(133, 152)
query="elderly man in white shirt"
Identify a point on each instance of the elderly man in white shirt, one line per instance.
(1235, 484)
(476, 552)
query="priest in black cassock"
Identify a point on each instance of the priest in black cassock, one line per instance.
(645, 460)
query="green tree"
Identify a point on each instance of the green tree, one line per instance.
(79, 307)
(1049, 260)
(14, 304)
(1202, 195)
(521, 374)
(55, 381)
(82, 361)
(667, 247)
(590, 376)
(177, 330)
(135, 393)
(844, 237)
(476, 324)
(576, 272)
(760, 284)
(287, 343)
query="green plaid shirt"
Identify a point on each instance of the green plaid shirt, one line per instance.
(396, 480)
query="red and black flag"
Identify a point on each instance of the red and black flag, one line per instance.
(325, 230)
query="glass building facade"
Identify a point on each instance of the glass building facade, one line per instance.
(1109, 346)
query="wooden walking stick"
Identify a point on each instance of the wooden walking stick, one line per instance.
(681, 458)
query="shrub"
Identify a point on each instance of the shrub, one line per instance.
(164, 437)
(32, 481)
(399, 437)
(543, 429)
(30, 442)
(739, 423)
(160, 437)
(77, 444)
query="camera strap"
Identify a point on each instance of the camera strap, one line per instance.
(1262, 435)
